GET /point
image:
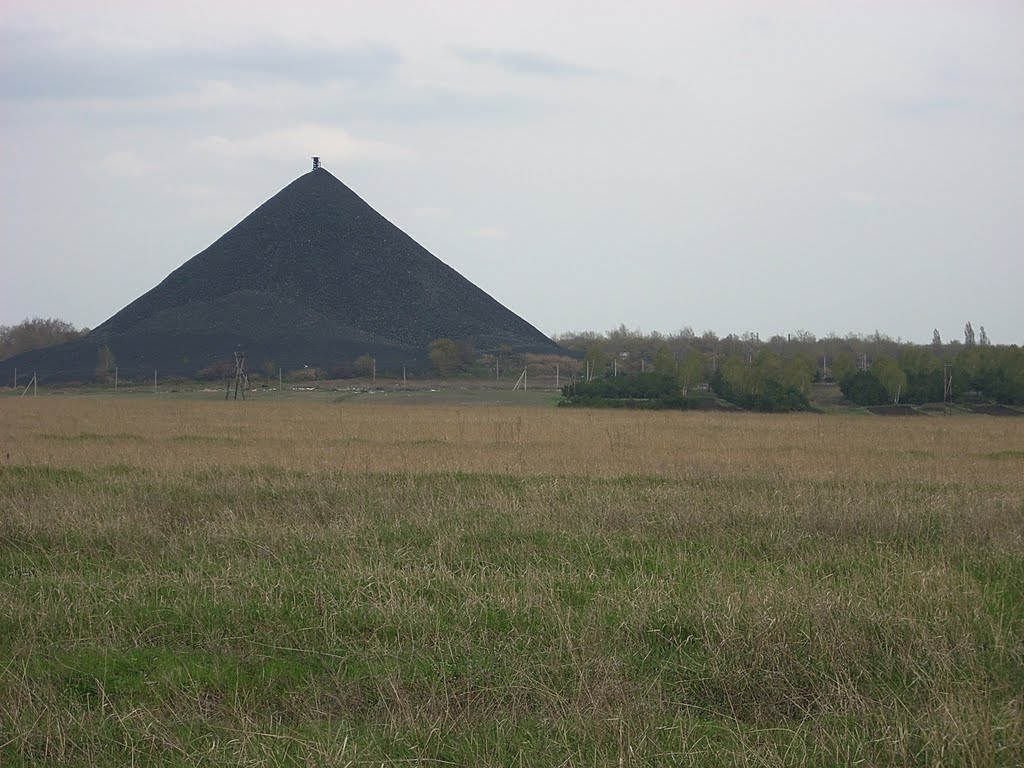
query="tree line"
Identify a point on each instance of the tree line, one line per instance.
(35, 333)
(776, 374)
(772, 374)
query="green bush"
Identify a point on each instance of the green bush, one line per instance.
(864, 388)
(654, 391)
(769, 395)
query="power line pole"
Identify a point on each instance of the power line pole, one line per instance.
(241, 378)
(520, 380)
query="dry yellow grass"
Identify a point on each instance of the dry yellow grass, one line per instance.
(184, 435)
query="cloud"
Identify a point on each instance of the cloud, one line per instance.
(200, 191)
(430, 212)
(40, 66)
(334, 145)
(525, 62)
(861, 197)
(125, 164)
(486, 233)
(426, 101)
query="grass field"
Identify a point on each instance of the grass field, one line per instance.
(280, 582)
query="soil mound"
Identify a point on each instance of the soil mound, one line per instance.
(895, 410)
(315, 277)
(996, 410)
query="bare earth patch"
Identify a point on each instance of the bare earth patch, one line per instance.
(996, 410)
(895, 410)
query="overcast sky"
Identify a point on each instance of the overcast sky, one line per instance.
(735, 166)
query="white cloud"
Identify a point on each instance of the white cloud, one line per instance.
(334, 145)
(524, 62)
(860, 197)
(200, 191)
(430, 212)
(486, 233)
(124, 163)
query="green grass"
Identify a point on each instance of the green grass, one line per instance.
(1003, 455)
(94, 437)
(268, 616)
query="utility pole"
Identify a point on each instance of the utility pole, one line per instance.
(241, 378)
(403, 374)
(520, 380)
(154, 381)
